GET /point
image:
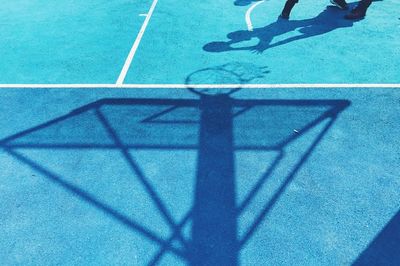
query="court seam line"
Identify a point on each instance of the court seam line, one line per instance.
(135, 46)
(199, 86)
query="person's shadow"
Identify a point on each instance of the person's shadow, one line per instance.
(328, 20)
(244, 2)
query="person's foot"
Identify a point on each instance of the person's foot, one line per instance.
(355, 14)
(340, 4)
(284, 16)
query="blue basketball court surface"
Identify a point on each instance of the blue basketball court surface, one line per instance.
(159, 132)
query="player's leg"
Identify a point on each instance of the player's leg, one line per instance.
(360, 11)
(287, 8)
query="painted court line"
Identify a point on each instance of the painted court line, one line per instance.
(135, 45)
(248, 15)
(200, 86)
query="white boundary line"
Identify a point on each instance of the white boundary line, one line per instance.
(248, 15)
(199, 86)
(132, 52)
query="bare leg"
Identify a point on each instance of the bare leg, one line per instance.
(288, 7)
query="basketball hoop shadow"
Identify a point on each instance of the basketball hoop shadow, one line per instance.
(216, 127)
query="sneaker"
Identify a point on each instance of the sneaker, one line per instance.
(340, 4)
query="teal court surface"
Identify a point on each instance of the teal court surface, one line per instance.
(198, 133)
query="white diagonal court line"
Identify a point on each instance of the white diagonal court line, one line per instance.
(203, 86)
(135, 45)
